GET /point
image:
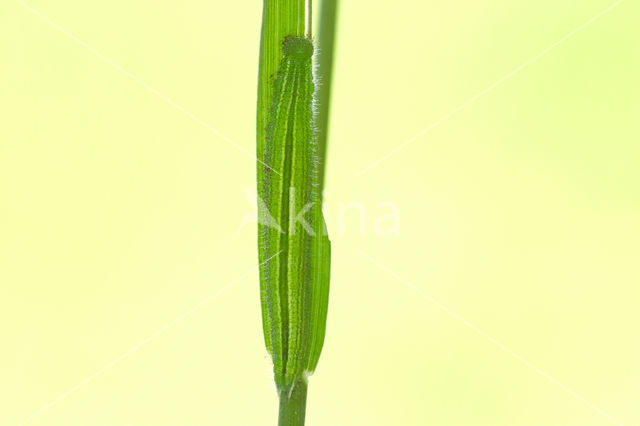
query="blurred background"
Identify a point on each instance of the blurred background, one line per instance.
(507, 295)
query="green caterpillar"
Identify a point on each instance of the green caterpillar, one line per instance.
(294, 286)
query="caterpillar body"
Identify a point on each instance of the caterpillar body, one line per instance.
(294, 284)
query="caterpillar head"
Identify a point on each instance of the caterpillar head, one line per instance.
(297, 48)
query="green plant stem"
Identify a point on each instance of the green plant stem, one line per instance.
(285, 19)
(280, 19)
(326, 41)
(293, 407)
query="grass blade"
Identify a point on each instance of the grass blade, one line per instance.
(294, 286)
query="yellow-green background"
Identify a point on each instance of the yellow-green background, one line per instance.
(521, 213)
